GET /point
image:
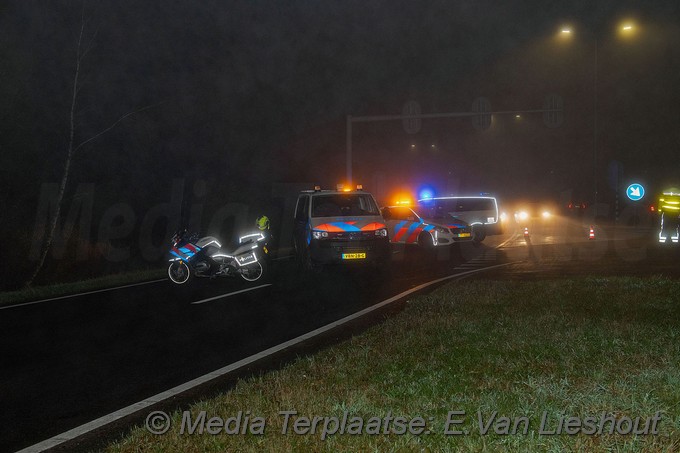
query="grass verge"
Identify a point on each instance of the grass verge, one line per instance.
(64, 289)
(581, 347)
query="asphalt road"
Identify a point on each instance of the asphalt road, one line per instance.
(69, 361)
(66, 362)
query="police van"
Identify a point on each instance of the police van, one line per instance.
(339, 226)
(480, 212)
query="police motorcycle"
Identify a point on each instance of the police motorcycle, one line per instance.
(204, 257)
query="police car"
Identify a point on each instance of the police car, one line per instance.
(339, 226)
(405, 226)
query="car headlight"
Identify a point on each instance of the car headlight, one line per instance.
(441, 230)
(319, 234)
(546, 214)
(381, 232)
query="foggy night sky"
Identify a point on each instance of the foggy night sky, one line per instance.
(247, 93)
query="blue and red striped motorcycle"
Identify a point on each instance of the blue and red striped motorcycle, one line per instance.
(204, 257)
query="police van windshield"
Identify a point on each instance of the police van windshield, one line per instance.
(472, 209)
(467, 204)
(343, 205)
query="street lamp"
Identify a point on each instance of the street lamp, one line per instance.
(625, 30)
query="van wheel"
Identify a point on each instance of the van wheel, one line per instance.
(478, 233)
(305, 262)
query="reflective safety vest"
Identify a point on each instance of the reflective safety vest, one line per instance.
(670, 203)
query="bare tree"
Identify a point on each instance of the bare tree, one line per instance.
(72, 148)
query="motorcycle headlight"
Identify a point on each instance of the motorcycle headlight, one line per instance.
(382, 232)
(319, 234)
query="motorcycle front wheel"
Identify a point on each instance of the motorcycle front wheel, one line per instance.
(252, 272)
(179, 272)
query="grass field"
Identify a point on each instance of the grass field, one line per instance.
(64, 289)
(592, 348)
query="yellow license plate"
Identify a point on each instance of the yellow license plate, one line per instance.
(464, 235)
(353, 256)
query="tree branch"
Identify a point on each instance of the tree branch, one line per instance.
(104, 131)
(90, 45)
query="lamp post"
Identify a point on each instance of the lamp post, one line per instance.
(566, 32)
(595, 137)
(626, 29)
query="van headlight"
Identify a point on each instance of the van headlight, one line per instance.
(382, 232)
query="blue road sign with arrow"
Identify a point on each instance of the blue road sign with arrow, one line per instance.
(635, 192)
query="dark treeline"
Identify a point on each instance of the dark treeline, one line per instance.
(245, 95)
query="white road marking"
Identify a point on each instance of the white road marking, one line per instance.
(511, 238)
(82, 294)
(280, 258)
(141, 405)
(230, 294)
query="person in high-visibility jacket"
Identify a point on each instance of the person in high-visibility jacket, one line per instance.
(669, 210)
(262, 223)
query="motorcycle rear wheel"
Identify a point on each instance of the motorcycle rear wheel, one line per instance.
(252, 272)
(179, 272)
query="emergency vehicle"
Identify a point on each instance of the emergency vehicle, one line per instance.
(669, 212)
(480, 212)
(405, 226)
(339, 226)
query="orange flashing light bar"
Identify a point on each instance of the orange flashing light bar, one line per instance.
(347, 188)
(402, 198)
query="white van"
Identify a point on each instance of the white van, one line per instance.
(481, 212)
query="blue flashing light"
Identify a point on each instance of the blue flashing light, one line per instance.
(425, 193)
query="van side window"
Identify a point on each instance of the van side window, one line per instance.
(305, 208)
(302, 208)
